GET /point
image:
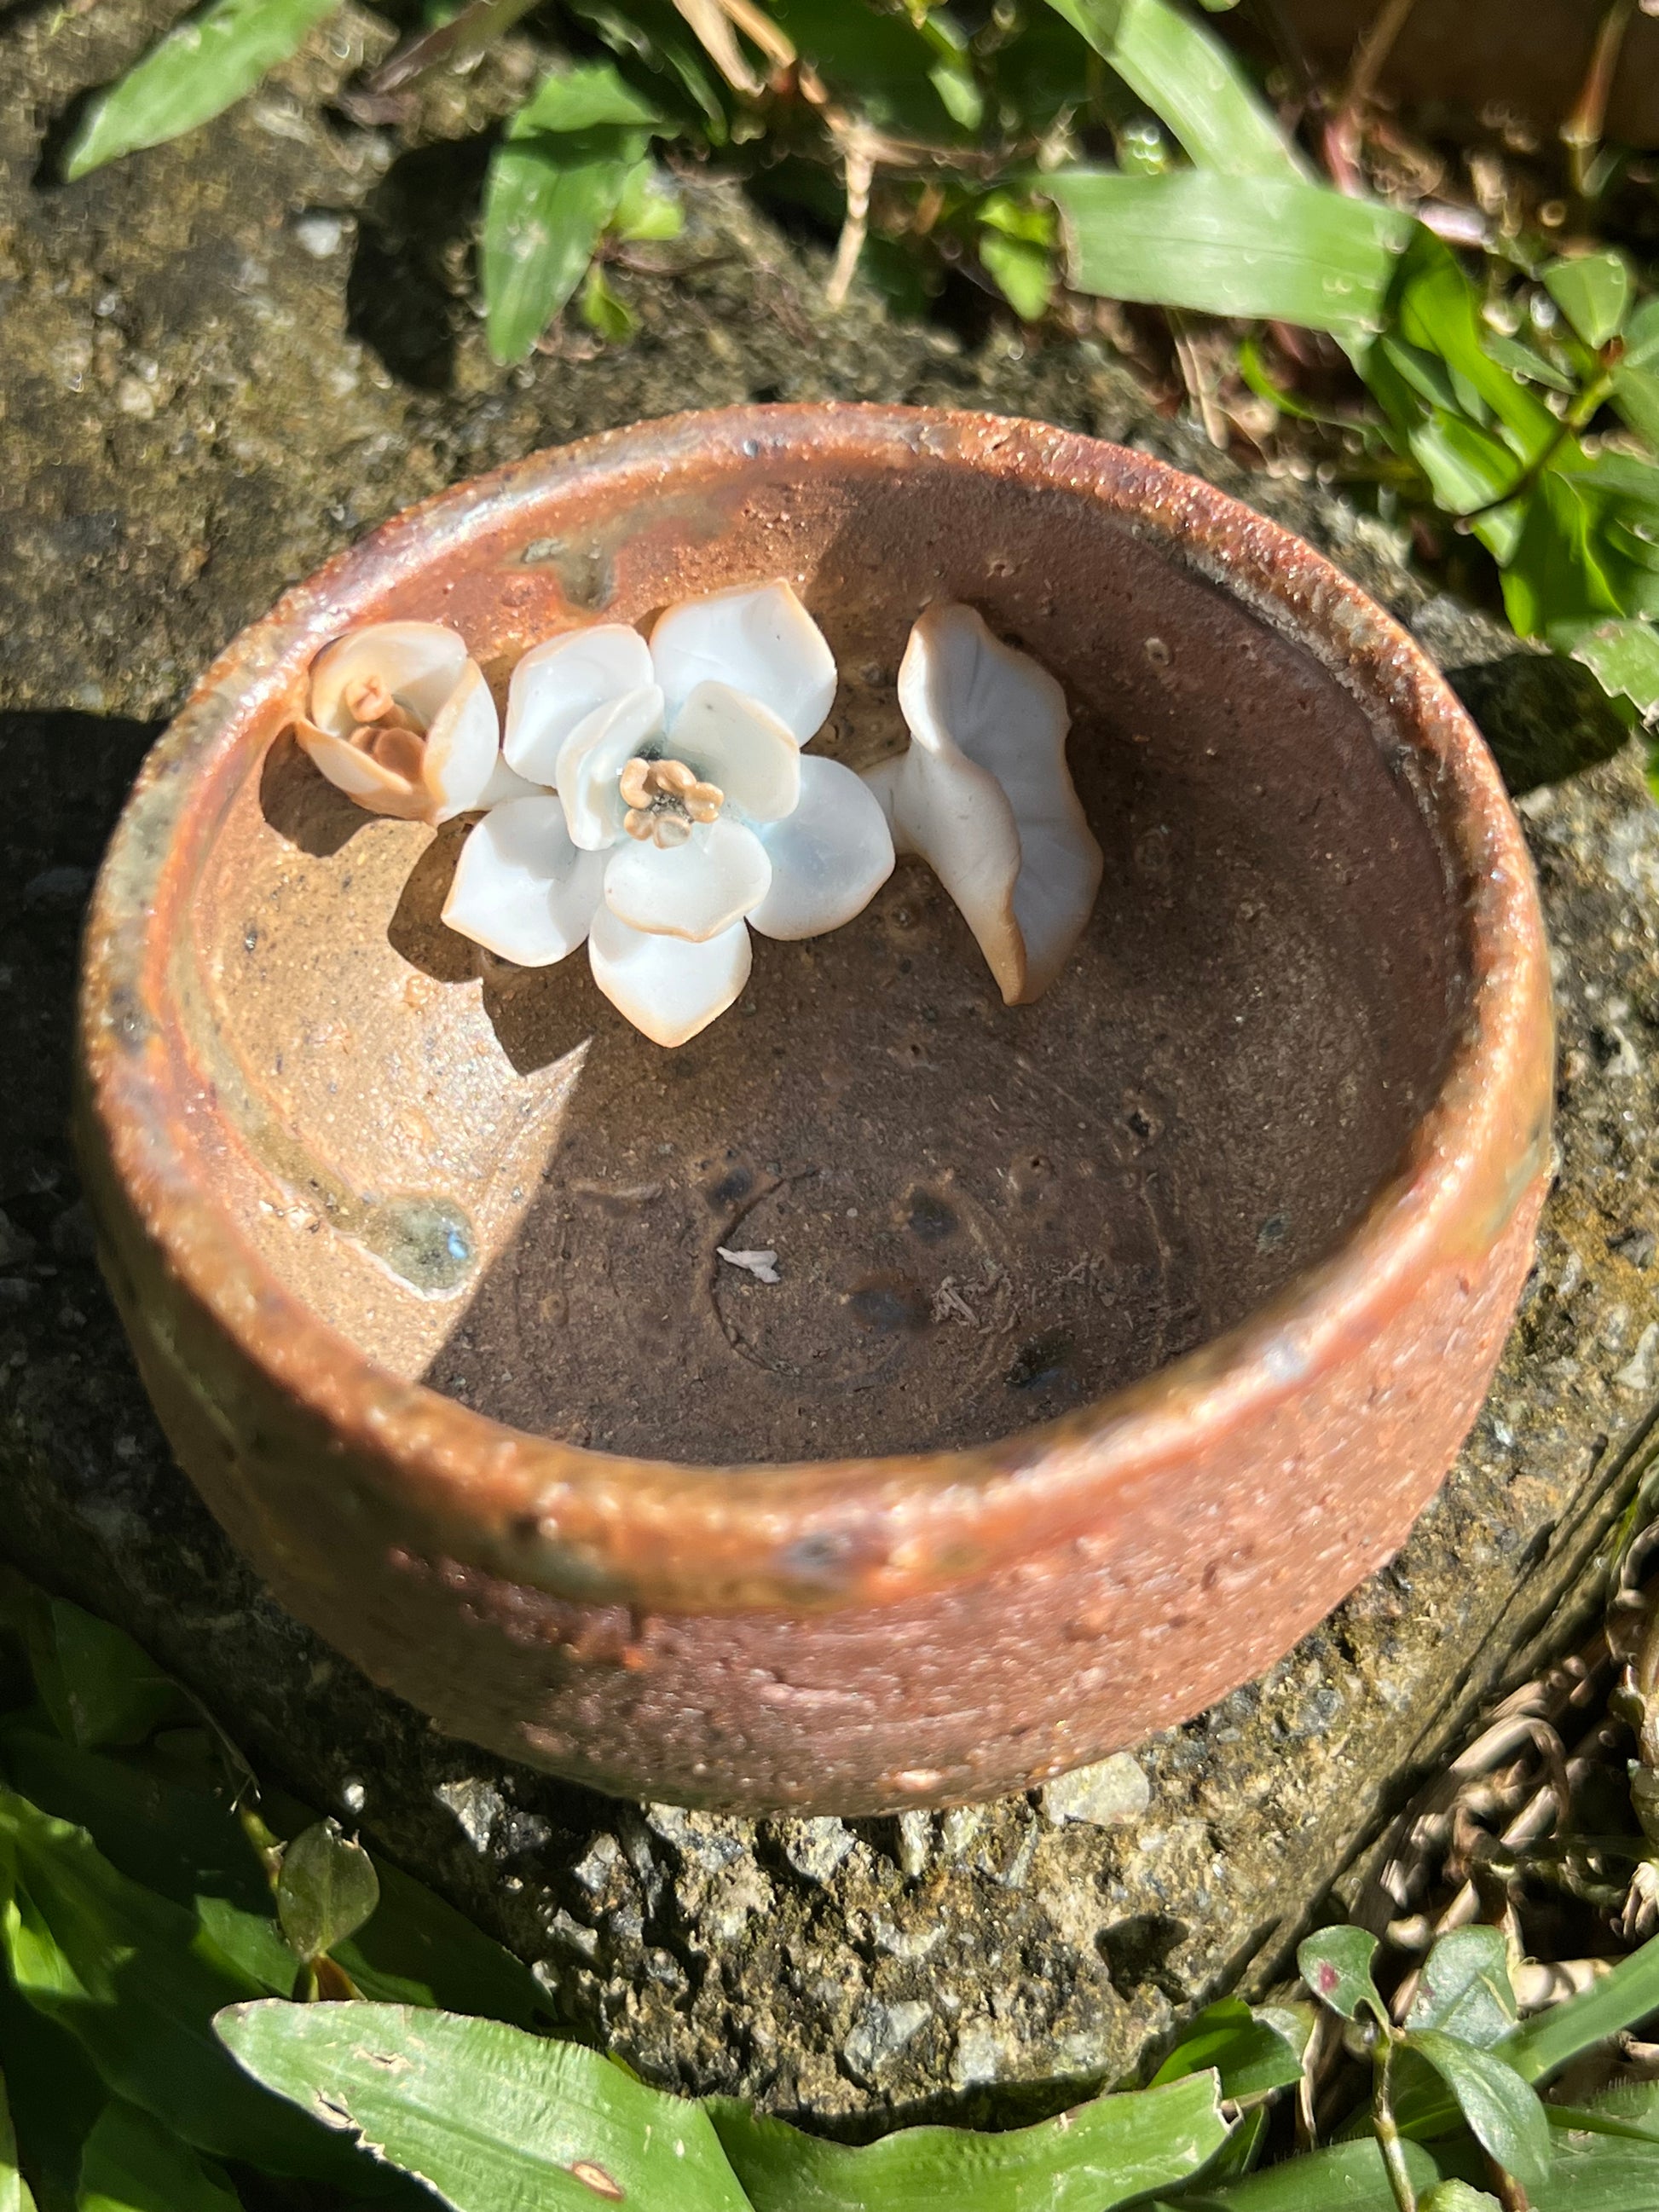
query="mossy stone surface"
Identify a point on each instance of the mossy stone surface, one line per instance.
(222, 361)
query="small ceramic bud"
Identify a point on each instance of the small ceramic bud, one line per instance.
(400, 719)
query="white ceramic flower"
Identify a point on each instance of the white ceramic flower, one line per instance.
(401, 719)
(685, 813)
(984, 796)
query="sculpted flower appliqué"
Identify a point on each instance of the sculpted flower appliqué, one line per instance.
(654, 800)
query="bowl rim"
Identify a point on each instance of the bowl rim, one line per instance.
(827, 1533)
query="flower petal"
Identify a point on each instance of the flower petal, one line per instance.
(463, 746)
(503, 785)
(758, 638)
(666, 986)
(592, 758)
(560, 682)
(829, 857)
(695, 890)
(988, 725)
(741, 745)
(381, 790)
(521, 888)
(419, 663)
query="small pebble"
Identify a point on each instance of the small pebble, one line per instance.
(1106, 1795)
(320, 234)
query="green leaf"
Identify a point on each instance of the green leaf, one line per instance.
(1186, 76)
(1592, 290)
(94, 1681)
(171, 1836)
(1635, 395)
(1336, 1965)
(1504, 2113)
(1042, 70)
(1457, 2196)
(14, 2193)
(492, 2119)
(881, 62)
(326, 1890)
(1252, 2051)
(1594, 2174)
(1641, 336)
(1467, 468)
(959, 95)
(55, 2096)
(417, 1949)
(1436, 307)
(556, 182)
(591, 98)
(1024, 273)
(1241, 2152)
(1254, 370)
(1019, 218)
(112, 1693)
(133, 2164)
(1526, 360)
(649, 208)
(1267, 247)
(1348, 2176)
(546, 205)
(603, 312)
(1623, 657)
(651, 34)
(135, 1979)
(185, 1842)
(1556, 579)
(202, 67)
(1464, 1988)
(1099, 2155)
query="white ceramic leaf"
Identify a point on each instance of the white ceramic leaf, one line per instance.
(668, 986)
(956, 816)
(379, 789)
(735, 742)
(692, 890)
(521, 888)
(986, 719)
(592, 758)
(829, 857)
(758, 638)
(559, 683)
(463, 747)
(419, 663)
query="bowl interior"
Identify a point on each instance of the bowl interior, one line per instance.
(983, 1216)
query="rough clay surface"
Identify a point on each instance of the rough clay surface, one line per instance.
(210, 382)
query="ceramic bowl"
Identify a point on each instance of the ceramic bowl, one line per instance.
(1116, 1338)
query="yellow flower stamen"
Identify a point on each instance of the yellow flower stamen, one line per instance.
(663, 798)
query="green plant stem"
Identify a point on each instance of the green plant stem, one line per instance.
(1342, 132)
(1581, 412)
(465, 33)
(1388, 2139)
(1581, 131)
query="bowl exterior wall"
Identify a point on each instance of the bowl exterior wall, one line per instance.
(1196, 1580)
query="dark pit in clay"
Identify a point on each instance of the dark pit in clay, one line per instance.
(982, 1216)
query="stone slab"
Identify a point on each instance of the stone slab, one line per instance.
(211, 381)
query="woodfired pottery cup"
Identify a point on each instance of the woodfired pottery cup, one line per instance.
(1117, 1337)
